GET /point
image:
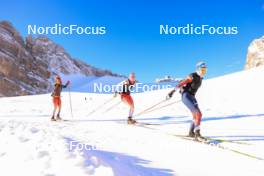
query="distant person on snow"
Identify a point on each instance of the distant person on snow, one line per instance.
(56, 97)
(127, 85)
(188, 88)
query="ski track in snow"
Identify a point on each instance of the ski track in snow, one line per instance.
(33, 145)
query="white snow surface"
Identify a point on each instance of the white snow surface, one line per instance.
(232, 106)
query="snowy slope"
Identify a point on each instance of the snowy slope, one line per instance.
(232, 110)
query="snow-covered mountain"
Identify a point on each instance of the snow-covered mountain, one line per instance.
(255, 55)
(101, 144)
(28, 67)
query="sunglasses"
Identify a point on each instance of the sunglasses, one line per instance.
(203, 70)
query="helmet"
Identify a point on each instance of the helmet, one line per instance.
(200, 65)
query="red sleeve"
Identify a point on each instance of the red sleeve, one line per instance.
(184, 82)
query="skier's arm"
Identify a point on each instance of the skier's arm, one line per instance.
(66, 85)
(181, 83)
(184, 82)
(119, 87)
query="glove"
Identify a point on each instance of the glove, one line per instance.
(115, 94)
(170, 94)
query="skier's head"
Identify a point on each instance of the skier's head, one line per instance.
(58, 80)
(132, 77)
(201, 68)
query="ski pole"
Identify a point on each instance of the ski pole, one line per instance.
(70, 101)
(151, 107)
(108, 109)
(100, 106)
(164, 106)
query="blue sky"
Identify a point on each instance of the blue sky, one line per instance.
(133, 42)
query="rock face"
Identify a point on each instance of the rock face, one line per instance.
(255, 55)
(28, 67)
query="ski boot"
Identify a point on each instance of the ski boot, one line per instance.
(131, 121)
(191, 131)
(58, 118)
(198, 136)
(191, 134)
(52, 118)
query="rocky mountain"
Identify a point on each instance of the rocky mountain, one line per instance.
(255, 55)
(29, 66)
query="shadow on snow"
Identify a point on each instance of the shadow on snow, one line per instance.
(177, 119)
(205, 119)
(121, 164)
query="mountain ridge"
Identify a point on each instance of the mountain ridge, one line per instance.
(28, 66)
